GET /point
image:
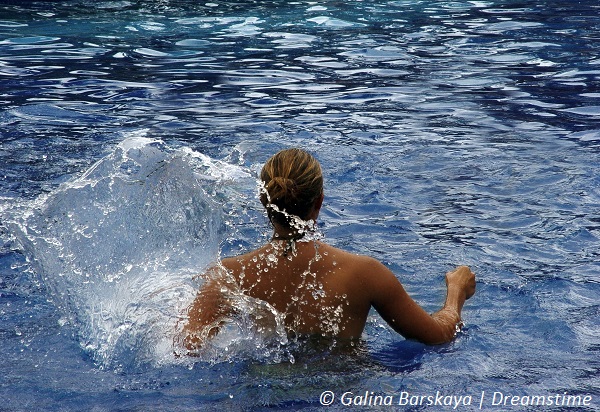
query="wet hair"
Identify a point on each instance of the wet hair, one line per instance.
(292, 180)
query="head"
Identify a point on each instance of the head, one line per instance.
(293, 184)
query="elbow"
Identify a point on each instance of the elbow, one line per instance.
(190, 339)
(435, 340)
(438, 339)
(192, 342)
(440, 333)
(445, 327)
(195, 340)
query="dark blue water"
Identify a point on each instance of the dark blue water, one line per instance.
(462, 132)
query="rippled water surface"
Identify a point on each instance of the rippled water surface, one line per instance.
(454, 132)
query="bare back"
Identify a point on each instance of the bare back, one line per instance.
(316, 286)
(322, 290)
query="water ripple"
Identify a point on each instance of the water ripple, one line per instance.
(449, 132)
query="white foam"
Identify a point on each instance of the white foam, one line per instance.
(117, 247)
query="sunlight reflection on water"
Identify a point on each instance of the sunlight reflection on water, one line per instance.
(453, 132)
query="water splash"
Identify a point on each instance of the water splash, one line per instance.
(123, 250)
(117, 248)
(247, 328)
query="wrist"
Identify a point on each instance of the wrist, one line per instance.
(457, 291)
(455, 299)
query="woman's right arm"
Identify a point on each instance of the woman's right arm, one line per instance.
(208, 311)
(409, 319)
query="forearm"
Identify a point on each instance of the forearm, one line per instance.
(449, 316)
(206, 315)
(409, 319)
(406, 317)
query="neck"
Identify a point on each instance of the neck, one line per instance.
(287, 234)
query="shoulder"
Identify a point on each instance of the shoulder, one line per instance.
(233, 262)
(243, 265)
(240, 261)
(364, 271)
(364, 263)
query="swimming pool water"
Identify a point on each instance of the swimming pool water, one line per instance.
(461, 132)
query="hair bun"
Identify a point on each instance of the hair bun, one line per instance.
(281, 189)
(292, 180)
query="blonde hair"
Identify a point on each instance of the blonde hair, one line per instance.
(292, 180)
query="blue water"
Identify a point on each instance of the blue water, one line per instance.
(463, 132)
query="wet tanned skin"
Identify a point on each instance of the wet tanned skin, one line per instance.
(322, 290)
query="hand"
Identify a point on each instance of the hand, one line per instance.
(463, 278)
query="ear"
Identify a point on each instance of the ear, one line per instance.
(319, 201)
(317, 205)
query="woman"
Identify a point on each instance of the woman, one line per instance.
(318, 289)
